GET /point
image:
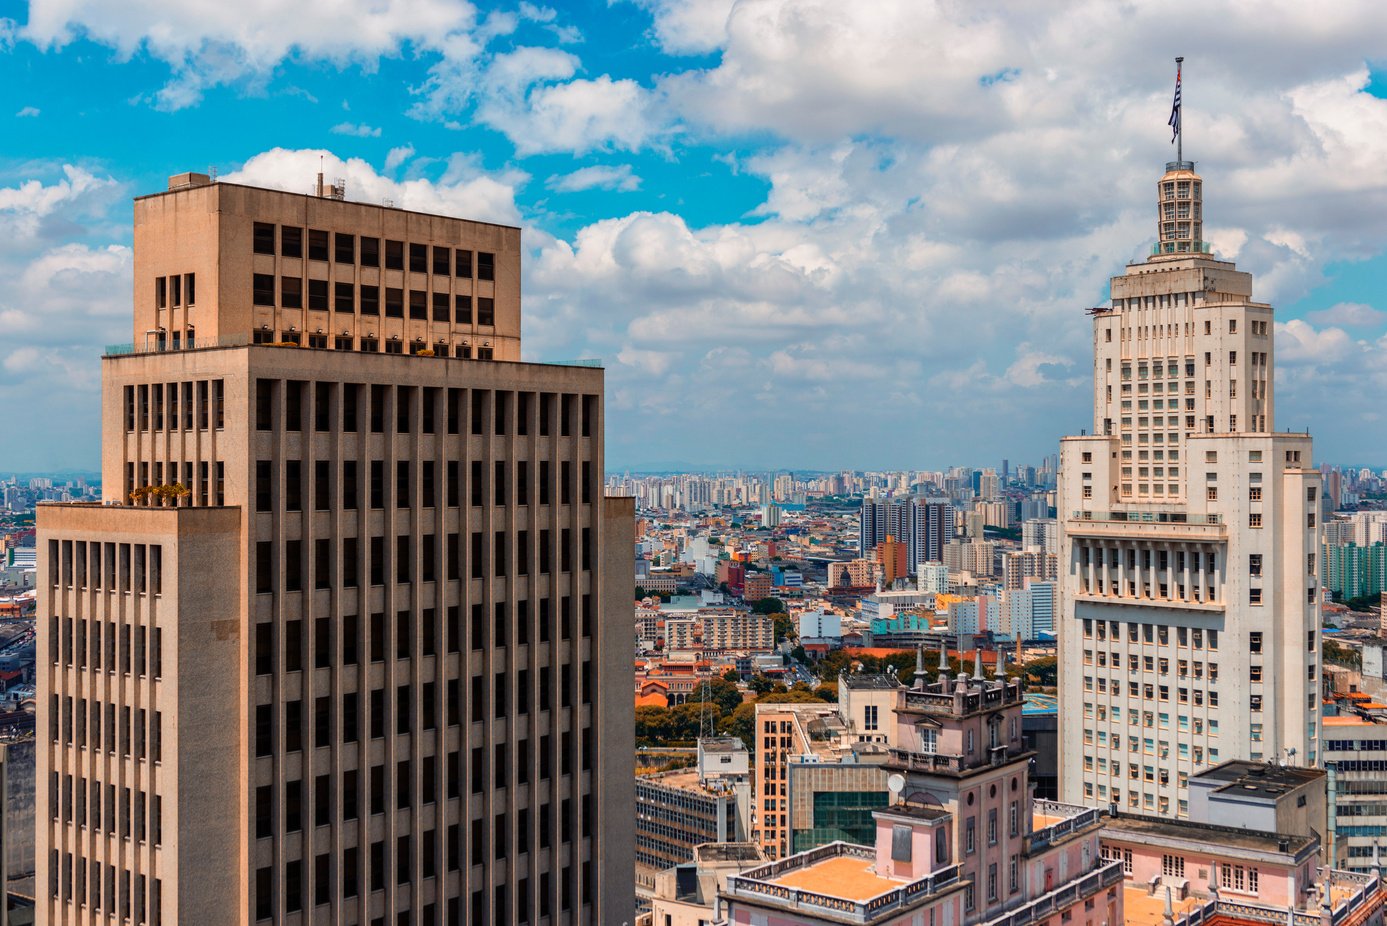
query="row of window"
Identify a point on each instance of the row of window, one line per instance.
(129, 813)
(346, 881)
(1150, 633)
(343, 636)
(342, 248)
(366, 299)
(133, 897)
(153, 485)
(371, 345)
(197, 405)
(414, 784)
(175, 291)
(122, 567)
(296, 405)
(409, 566)
(132, 733)
(414, 483)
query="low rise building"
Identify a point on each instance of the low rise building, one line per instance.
(960, 843)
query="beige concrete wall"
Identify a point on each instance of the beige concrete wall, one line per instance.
(208, 230)
(189, 695)
(616, 680)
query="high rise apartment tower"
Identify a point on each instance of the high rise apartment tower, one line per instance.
(1190, 628)
(349, 641)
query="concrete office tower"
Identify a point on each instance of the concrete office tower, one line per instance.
(350, 639)
(1189, 629)
(925, 525)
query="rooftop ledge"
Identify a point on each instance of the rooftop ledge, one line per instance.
(842, 868)
(229, 341)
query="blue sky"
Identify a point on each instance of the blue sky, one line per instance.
(800, 234)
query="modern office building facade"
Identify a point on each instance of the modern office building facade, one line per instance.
(350, 639)
(924, 525)
(1190, 626)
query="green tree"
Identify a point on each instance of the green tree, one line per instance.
(760, 684)
(741, 723)
(1342, 655)
(1044, 669)
(732, 675)
(768, 606)
(827, 692)
(654, 725)
(726, 695)
(789, 697)
(784, 627)
(688, 716)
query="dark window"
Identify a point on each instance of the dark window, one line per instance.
(418, 258)
(440, 307)
(394, 255)
(462, 310)
(264, 485)
(442, 260)
(486, 266)
(344, 297)
(418, 304)
(317, 244)
(462, 265)
(370, 252)
(291, 242)
(345, 250)
(264, 238)
(486, 311)
(394, 302)
(263, 289)
(291, 292)
(370, 300)
(317, 295)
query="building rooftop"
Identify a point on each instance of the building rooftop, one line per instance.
(848, 877)
(727, 852)
(1142, 908)
(1258, 779)
(1142, 828)
(722, 744)
(840, 878)
(862, 682)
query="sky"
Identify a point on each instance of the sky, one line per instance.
(798, 233)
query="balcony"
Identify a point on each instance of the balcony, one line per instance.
(1351, 891)
(1151, 524)
(1047, 905)
(1062, 820)
(925, 761)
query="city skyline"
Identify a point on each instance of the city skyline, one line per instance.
(753, 250)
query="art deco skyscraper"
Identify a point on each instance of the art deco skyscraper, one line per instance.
(1190, 629)
(350, 640)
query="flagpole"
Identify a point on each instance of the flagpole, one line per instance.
(1180, 129)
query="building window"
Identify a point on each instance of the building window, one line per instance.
(1173, 866)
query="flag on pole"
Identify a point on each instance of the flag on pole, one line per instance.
(1174, 122)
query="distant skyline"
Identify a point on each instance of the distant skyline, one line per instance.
(799, 234)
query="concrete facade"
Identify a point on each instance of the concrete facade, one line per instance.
(1188, 555)
(354, 624)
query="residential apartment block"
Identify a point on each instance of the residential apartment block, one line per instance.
(1190, 625)
(349, 640)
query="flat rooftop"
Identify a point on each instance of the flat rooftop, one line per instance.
(840, 876)
(861, 682)
(1257, 778)
(1142, 909)
(1201, 835)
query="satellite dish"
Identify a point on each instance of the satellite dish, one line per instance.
(896, 782)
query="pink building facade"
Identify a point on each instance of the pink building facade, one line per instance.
(963, 842)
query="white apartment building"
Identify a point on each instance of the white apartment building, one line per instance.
(1190, 616)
